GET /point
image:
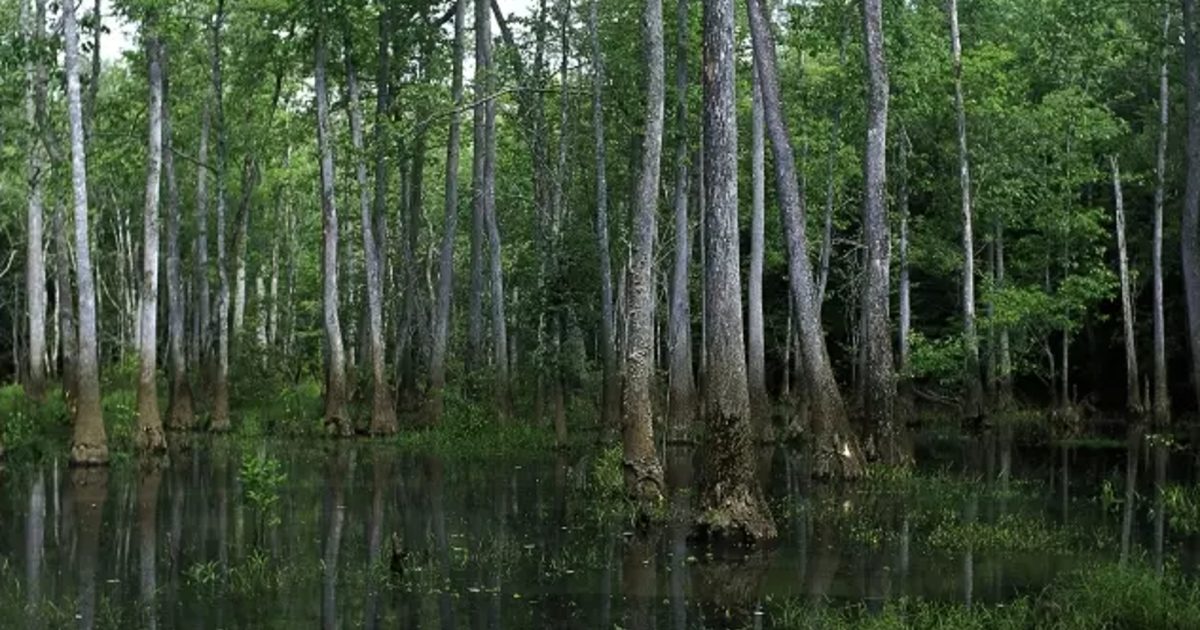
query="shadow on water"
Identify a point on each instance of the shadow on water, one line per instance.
(357, 534)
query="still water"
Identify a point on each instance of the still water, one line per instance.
(357, 535)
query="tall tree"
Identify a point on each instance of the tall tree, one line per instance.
(837, 452)
(755, 351)
(682, 382)
(643, 472)
(37, 173)
(1189, 235)
(1161, 398)
(180, 415)
(220, 408)
(445, 291)
(483, 43)
(150, 436)
(731, 502)
(879, 381)
(1133, 396)
(89, 444)
(611, 386)
(337, 419)
(202, 296)
(973, 386)
(383, 411)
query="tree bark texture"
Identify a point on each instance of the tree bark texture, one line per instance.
(478, 186)
(756, 377)
(682, 381)
(220, 408)
(1133, 395)
(611, 386)
(150, 437)
(37, 172)
(180, 414)
(1161, 398)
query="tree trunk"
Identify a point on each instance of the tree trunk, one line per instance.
(1162, 399)
(557, 218)
(760, 404)
(904, 325)
(1190, 228)
(66, 307)
(682, 382)
(445, 291)
(731, 506)
(203, 298)
(1005, 360)
(837, 453)
(383, 411)
(973, 387)
(835, 139)
(1133, 397)
(220, 408)
(479, 151)
(150, 436)
(643, 472)
(38, 172)
(89, 444)
(337, 419)
(180, 415)
(610, 396)
(886, 443)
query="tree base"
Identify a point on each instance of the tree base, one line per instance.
(644, 485)
(151, 440)
(88, 454)
(837, 456)
(383, 415)
(181, 415)
(737, 517)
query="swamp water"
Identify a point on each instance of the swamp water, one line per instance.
(298, 535)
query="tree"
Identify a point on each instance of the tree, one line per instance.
(150, 436)
(973, 387)
(836, 450)
(643, 472)
(220, 408)
(879, 381)
(37, 174)
(89, 444)
(1189, 236)
(483, 44)
(611, 386)
(1161, 402)
(755, 352)
(180, 414)
(731, 504)
(1133, 396)
(337, 419)
(682, 382)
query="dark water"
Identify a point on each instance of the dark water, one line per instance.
(360, 535)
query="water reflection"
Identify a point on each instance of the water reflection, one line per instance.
(362, 536)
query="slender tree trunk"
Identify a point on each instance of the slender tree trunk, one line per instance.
(1133, 400)
(1005, 359)
(835, 141)
(611, 387)
(445, 291)
(150, 437)
(220, 408)
(643, 472)
(1162, 399)
(89, 444)
(904, 319)
(557, 218)
(682, 382)
(478, 185)
(880, 377)
(1190, 228)
(756, 377)
(383, 411)
(731, 503)
(200, 261)
(180, 415)
(837, 453)
(337, 419)
(973, 387)
(66, 307)
(37, 172)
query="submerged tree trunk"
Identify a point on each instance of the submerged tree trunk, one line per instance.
(220, 408)
(383, 411)
(886, 443)
(1161, 398)
(89, 444)
(837, 453)
(150, 436)
(445, 291)
(973, 387)
(180, 415)
(643, 472)
(1190, 228)
(731, 504)
(610, 397)
(37, 172)
(755, 352)
(337, 419)
(1133, 396)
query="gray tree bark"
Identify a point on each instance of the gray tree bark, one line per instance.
(383, 411)
(756, 377)
(611, 387)
(203, 297)
(682, 381)
(886, 443)
(89, 443)
(731, 504)
(445, 291)
(904, 316)
(220, 408)
(836, 450)
(150, 437)
(973, 386)
(37, 171)
(483, 43)
(1161, 398)
(337, 419)
(1190, 228)
(1133, 396)
(643, 472)
(66, 306)
(180, 415)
